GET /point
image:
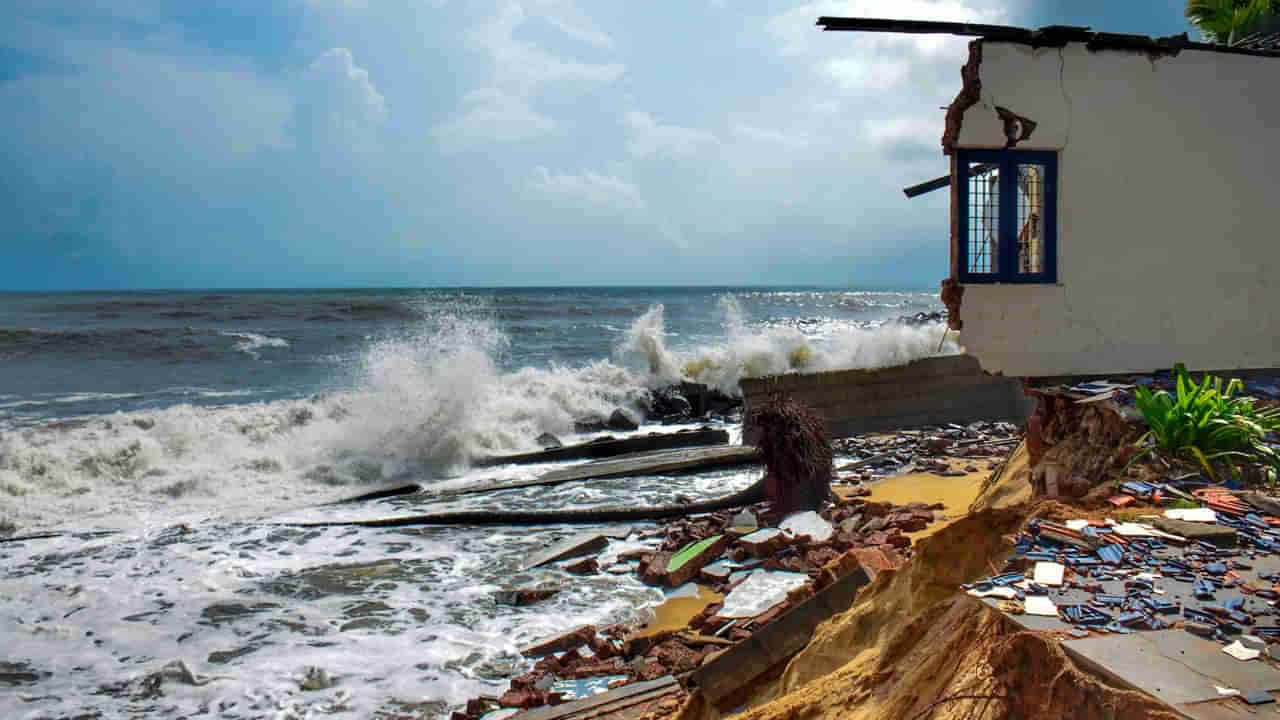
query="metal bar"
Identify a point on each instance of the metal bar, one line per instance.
(940, 182)
(927, 27)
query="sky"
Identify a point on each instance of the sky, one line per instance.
(414, 143)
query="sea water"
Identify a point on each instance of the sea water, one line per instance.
(167, 436)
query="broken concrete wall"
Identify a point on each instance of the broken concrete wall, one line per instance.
(1166, 222)
(932, 391)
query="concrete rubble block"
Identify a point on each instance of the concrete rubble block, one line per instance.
(676, 656)
(575, 546)
(609, 666)
(760, 591)
(743, 523)
(764, 542)
(575, 638)
(807, 524)
(851, 524)
(723, 679)
(875, 560)
(717, 572)
(685, 564)
(1219, 535)
(653, 568)
(875, 524)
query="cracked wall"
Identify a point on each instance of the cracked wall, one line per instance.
(1169, 170)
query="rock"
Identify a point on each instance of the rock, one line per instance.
(178, 670)
(620, 420)
(668, 403)
(519, 597)
(589, 424)
(547, 441)
(316, 678)
(585, 566)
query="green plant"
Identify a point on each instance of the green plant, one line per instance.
(1227, 21)
(1205, 423)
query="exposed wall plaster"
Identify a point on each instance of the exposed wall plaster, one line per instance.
(970, 93)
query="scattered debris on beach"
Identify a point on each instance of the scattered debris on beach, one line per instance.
(731, 575)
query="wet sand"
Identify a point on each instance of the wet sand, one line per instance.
(676, 612)
(956, 493)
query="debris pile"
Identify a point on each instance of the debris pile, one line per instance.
(1210, 566)
(763, 564)
(950, 450)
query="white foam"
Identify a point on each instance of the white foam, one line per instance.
(754, 350)
(251, 343)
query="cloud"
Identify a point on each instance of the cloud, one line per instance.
(646, 136)
(588, 188)
(503, 110)
(870, 63)
(492, 116)
(771, 137)
(338, 104)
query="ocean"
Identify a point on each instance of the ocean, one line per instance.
(159, 435)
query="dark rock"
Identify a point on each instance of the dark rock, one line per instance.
(621, 420)
(547, 441)
(669, 404)
(589, 424)
(520, 597)
(585, 566)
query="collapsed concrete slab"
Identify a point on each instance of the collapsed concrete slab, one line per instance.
(613, 447)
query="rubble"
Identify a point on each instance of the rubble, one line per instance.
(766, 567)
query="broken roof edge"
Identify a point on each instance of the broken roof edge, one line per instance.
(1048, 36)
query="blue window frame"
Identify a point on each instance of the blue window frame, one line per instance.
(1008, 216)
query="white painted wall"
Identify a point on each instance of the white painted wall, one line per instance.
(1169, 210)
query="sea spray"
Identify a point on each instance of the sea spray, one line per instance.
(203, 433)
(756, 349)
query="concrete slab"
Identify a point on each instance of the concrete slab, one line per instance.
(606, 702)
(574, 546)
(722, 679)
(650, 463)
(1173, 665)
(614, 447)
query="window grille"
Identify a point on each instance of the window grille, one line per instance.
(1008, 216)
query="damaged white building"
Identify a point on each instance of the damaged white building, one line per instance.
(1113, 200)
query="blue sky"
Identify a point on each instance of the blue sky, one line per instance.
(338, 143)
